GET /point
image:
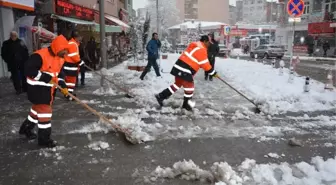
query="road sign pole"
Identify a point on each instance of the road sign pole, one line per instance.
(292, 45)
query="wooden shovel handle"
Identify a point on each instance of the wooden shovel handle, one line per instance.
(95, 112)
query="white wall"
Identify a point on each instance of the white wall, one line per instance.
(6, 26)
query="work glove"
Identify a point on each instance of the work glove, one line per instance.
(215, 75)
(65, 91)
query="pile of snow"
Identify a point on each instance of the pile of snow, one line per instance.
(318, 172)
(99, 145)
(135, 126)
(52, 152)
(102, 91)
(263, 84)
(238, 52)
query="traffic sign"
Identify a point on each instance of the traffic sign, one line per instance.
(295, 8)
(227, 30)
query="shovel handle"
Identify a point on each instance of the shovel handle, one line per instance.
(94, 111)
(248, 99)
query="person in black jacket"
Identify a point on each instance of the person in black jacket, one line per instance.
(213, 51)
(14, 52)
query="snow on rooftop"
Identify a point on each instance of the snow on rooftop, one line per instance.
(194, 25)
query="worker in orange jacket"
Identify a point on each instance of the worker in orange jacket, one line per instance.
(191, 60)
(44, 69)
(72, 63)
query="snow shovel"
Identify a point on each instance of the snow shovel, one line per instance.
(121, 131)
(110, 81)
(256, 110)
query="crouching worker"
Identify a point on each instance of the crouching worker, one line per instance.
(43, 70)
(191, 60)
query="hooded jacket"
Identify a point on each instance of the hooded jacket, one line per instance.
(42, 67)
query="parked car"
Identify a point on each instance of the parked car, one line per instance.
(223, 50)
(268, 51)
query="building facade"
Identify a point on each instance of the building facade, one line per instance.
(315, 23)
(259, 11)
(199, 10)
(239, 11)
(233, 15)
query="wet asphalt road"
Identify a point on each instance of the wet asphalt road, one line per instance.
(317, 70)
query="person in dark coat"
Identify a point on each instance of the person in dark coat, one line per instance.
(91, 50)
(14, 52)
(213, 51)
(153, 47)
(326, 47)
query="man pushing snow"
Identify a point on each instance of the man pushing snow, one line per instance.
(191, 60)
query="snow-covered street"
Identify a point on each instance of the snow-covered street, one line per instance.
(223, 128)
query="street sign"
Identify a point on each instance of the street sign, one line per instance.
(295, 8)
(227, 30)
(295, 19)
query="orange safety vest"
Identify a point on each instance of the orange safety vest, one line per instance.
(73, 55)
(51, 65)
(196, 56)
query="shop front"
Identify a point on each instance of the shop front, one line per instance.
(70, 16)
(10, 11)
(323, 32)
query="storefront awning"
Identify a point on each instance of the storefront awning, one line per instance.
(73, 20)
(117, 21)
(109, 29)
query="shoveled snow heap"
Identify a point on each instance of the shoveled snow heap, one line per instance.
(264, 84)
(99, 145)
(318, 172)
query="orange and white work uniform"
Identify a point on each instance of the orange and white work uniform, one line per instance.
(191, 60)
(71, 65)
(42, 68)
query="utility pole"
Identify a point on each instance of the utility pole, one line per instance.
(157, 18)
(102, 38)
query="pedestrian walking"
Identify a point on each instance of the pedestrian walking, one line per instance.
(184, 70)
(91, 49)
(153, 47)
(213, 51)
(326, 47)
(15, 53)
(72, 63)
(42, 70)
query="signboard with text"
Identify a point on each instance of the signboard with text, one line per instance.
(73, 10)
